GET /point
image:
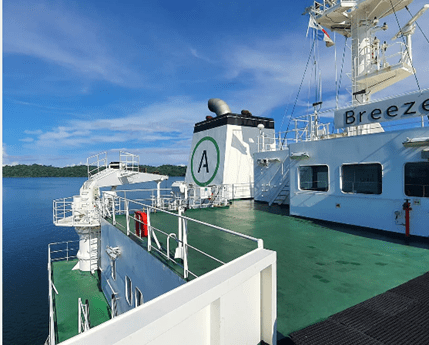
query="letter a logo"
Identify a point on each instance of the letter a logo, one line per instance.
(203, 169)
(206, 164)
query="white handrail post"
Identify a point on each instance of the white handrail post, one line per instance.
(51, 306)
(158, 194)
(149, 231)
(79, 320)
(180, 232)
(127, 217)
(185, 248)
(113, 210)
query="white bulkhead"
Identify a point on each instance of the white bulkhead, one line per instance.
(222, 150)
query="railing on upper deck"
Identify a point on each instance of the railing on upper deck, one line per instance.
(158, 240)
(129, 161)
(306, 128)
(64, 214)
(96, 163)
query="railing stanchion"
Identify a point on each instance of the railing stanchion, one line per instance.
(127, 217)
(149, 231)
(113, 211)
(185, 248)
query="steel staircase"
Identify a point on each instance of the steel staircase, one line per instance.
(281, 194)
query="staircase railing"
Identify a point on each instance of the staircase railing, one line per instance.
(283, 181)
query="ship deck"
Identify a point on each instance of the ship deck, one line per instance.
(72, 285)
(322, 268)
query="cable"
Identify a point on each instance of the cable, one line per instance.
(299, 89)
(341, 72)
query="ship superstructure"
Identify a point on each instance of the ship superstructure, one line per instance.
(361, 168)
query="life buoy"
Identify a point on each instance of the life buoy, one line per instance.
(141, 223)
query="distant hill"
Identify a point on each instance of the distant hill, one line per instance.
(36, 170)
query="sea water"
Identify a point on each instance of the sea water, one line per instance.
(27, 231)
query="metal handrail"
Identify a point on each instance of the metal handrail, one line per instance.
(52, 338)
(181, 239)
(83, 316)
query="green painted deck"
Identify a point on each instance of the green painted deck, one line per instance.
(320, 271)
(70, 286)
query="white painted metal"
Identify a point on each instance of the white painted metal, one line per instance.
(364, 140)
(234, 304)
(379, 210)
(408, 106)
(83, 316)
(229, 153)
(86, 210)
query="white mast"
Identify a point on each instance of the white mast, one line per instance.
(360, 20)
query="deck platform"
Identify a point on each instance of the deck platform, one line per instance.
(70, 286)
(323, 269)
(396, 317)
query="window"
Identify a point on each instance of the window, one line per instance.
(138, 297)
(128, 289)
(362, 178)
(314, 178)
(417, 179)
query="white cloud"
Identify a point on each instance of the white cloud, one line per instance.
(6, 159)
(54, 33)
(168, 125)
(35, 132)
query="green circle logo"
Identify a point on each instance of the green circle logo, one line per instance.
(205, 161)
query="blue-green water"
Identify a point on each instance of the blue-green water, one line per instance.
(27, 231)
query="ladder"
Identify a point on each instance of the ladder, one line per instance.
(282, 193)
(94, 250)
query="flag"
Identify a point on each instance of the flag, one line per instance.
(320, 32)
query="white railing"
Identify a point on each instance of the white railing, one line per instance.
(129, 161)
(66, 214)
(168, 200)
(127, 207)
(304, 130)
(62, 210)
(83, 316)
(96, 163)
(51, 337)
(63, 251)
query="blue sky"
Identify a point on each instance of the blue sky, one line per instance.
(81, 77)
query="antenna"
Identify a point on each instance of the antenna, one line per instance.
(408, 28)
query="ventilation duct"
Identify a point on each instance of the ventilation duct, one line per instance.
(218, 106)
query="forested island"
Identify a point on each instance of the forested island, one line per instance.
(36, 170)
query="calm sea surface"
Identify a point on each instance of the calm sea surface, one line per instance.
(27, 231)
